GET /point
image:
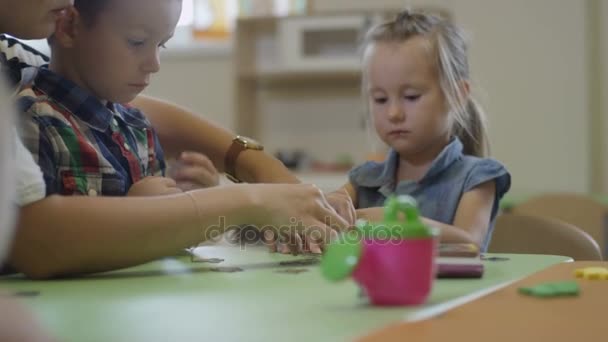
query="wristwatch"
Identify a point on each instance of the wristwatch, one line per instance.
(239, 144)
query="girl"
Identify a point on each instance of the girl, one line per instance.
(416, 82)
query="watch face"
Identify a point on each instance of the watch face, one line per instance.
(249, 143)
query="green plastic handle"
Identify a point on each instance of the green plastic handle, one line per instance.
(393, 227)
(404, 204)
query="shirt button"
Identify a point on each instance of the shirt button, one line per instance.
(92, 192)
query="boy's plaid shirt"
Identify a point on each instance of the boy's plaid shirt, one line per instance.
(83, 146)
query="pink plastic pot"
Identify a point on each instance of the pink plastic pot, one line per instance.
(397, 272)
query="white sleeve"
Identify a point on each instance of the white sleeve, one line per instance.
(30, 182)
(14, 49)
(7, 172)
(21, 180)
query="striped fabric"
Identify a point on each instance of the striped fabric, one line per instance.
(83, 146)
(15, 56)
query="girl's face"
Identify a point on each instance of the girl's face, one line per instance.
(30, 19)
(406, 102)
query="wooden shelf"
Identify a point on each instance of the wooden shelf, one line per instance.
(282, 77)
(257, 47)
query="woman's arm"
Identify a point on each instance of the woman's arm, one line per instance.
(471, 221)
(70, 235)
(62, 235)
(182, 130)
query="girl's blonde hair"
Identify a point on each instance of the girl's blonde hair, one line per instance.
(450, 56)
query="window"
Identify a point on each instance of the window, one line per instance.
(204, 12)
(209, 15)
(204, 28)
(187, 13)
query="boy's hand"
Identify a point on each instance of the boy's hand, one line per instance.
(154, 186)
(194, 170)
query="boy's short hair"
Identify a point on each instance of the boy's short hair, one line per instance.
(90, 9)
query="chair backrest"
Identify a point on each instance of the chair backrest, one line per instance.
(540, 235)
(583, 211)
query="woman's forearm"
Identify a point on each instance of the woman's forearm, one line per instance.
(65, 235)
(179, 129)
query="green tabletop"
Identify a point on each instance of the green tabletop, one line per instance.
(176, 299)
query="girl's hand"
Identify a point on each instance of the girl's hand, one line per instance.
(194, 170)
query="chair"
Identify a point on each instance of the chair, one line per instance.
(540, 235)
(583, 211)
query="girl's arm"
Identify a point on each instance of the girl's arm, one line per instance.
(70, 235)
(470, 222)
(181, 130)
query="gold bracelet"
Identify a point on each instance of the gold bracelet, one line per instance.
(198, 210)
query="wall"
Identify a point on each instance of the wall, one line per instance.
(529, 58)
(203, 83)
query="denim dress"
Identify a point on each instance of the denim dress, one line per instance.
(439, 191)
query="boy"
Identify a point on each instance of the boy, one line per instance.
(74, 123)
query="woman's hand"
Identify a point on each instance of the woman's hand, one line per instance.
(297, 216)
(340, 200)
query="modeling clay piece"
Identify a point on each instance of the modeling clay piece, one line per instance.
(293, 271)
(393, 261)
(592, 273)
(210, 260)
(226, 269)
(555, 289)
(301, 262)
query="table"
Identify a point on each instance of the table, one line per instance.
(175, 299)
(507, 315)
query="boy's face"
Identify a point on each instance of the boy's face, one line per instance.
(115, 55)
(30, 19)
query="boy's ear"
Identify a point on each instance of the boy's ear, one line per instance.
(67, 28)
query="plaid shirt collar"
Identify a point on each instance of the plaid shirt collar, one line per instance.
(82, 104)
